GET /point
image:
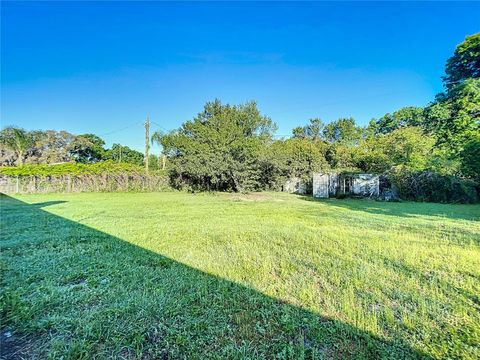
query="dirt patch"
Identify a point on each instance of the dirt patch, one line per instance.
(14, 346)
(250, 197)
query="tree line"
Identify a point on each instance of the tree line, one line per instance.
(21, 147)
(234, 148)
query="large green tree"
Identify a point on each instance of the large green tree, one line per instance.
(465, 62)
(295, 157)
(470, 159)
(17, 140)
(123, 154)
(50, 147)
(454, 118)
(344, 136)
(407, 116)
(87, 148)
(219, 148)
(343, 130)
(406, 146)
(311, 131)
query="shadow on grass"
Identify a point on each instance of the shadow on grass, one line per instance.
(74, 292)
(404, 209)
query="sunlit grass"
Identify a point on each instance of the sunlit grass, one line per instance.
(240, 276)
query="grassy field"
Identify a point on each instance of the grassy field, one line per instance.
(174, 275)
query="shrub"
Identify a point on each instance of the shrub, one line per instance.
(103, 167)
(470, 159)
(431, 186)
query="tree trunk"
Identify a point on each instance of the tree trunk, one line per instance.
(20, 158)
(236, 188)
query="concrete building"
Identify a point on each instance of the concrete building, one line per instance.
(327, 185)
(295, 185)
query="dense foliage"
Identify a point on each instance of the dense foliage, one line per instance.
(218, 149)
(19, 146)
(223, 148)
(470, 159)
(432, 186)
(465, 62)
(454, 117)
(233, 147)
(17, 141)
(102, 167)
(407, 116)
(87, 148)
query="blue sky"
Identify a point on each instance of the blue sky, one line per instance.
(102, 67)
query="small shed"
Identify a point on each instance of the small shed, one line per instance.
(327, 185)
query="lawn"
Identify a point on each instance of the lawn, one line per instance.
(197, 276)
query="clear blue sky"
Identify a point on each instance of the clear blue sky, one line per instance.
(100, 67)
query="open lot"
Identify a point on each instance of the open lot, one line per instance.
(176, 275)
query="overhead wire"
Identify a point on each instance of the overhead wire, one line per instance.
(121, 129)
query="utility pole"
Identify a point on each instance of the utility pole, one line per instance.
(147, 143)
(120, 154)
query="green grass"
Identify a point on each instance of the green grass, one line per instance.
(174, 275)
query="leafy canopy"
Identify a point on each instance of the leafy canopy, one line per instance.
(407, 116)
(18, 140)
(312, 131)
(87, 148)
(465, 62)
(454, 117)
(217, 150)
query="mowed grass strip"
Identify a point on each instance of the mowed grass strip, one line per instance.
(195, 276)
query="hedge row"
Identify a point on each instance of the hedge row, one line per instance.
(103, 167)
(432, 187)
(408, 185)
(124, 182)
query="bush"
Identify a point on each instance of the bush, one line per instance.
(78, 177)
(470, 159)
(103, 167)
(431, 186)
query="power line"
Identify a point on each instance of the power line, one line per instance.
(121, 129)
(160, 126)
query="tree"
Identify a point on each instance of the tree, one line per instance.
(154, 162)
(465, 62)
(343, 130)
(343, 135)
(157, 139)
(7, 156)
(470, 159)
(87, 148)
(219, 149)
(50, 147)
(123, 154)
(454, 117)
(291, 158)
(299, 132)
(17, 140)
(407, 116)
(407, 146)
(312, 131)
(303, 157)
(342, 157)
